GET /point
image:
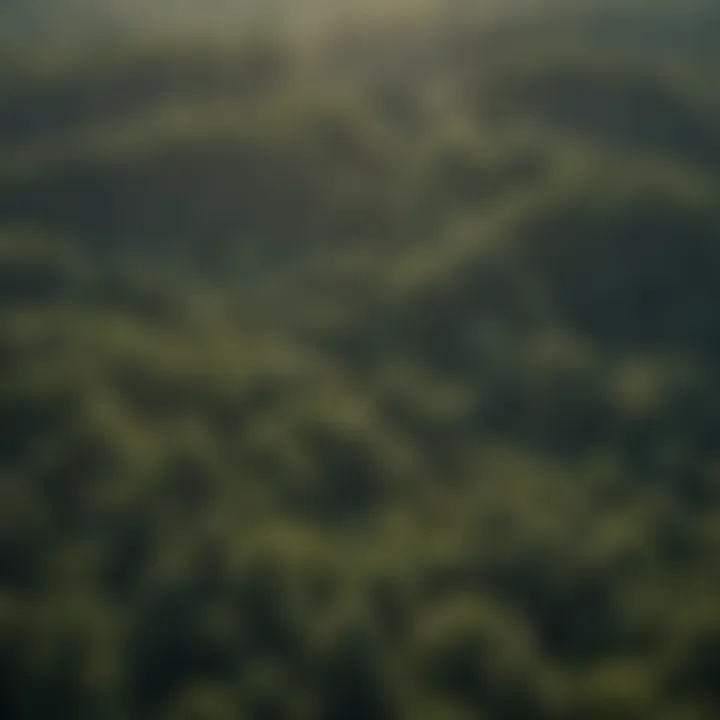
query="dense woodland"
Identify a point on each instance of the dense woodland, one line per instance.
(364, 377)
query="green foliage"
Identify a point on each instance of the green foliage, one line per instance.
(374, 377)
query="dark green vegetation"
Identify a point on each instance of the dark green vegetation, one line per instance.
(374, 379)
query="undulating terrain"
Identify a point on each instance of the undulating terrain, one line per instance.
(363, 374)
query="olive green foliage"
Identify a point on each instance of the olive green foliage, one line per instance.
(374, 378)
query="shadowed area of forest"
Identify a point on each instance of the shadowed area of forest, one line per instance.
(365, 375)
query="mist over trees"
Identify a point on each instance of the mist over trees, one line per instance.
(373, 376)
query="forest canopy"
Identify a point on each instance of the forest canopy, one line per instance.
(370, 375)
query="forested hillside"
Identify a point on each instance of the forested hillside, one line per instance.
(367, 377)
